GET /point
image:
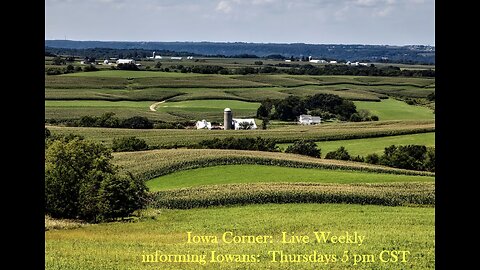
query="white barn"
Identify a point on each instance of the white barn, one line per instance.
(238, 121)
(306, 119)
(203, 124)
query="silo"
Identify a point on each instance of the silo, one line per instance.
(227, 119)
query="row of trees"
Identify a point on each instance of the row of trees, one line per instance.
(109, 120)
(255, 144)
(326, 106)
(411, 157)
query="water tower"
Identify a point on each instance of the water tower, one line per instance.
(227, 119)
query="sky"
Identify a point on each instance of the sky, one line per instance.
(379, 22)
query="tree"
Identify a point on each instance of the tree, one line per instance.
(58, 61)
(129, 144)
(304, 147)
(80, 182)
(289, 108)
(429, 163)
(137, 122)
(265, 123)
(69, 69)
(341, 154)
(88, 68)
(265, 108)
(245, 125)
(372, 158)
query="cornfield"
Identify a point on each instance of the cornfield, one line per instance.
(392, 194)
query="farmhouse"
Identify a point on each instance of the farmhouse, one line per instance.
(203, 124)
(175, 58)
(238, 123)
(306, 119)
(333, 62)
(125, 61)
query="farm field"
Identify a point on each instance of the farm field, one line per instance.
(285, 134)
(150, 164)
(189, 110)
(120, 245)
(235, 174)
(391, 109)
(364, 147)
(121, 85)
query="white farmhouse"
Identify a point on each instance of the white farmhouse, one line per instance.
(237, 123)
(314, 61)
(125, 61)
(203, 124)
(333, 62)
(306, 119)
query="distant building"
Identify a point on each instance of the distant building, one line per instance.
(288, 60)
(189, 57)
(306, 119)
(203, 124)
(158, 57)
(237, 122)
(175, 58)
(333, 62)
(314, 61)
(106, 62)
(125, 61)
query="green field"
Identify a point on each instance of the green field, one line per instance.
(235, 174)
(364, 147)
(121, 85)
(191, 110)
(285, 134)
(120, 245)
(391, 109)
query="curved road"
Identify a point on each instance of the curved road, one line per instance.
(154, 105)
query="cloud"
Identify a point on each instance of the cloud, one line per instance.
(224, 6)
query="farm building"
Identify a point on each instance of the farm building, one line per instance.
(125, 61)
(203, 124)
(333, 62)
(175, 58)
(237, 123)
(306, 119)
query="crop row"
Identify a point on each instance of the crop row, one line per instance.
(287, 134)
(392, 194)
(147, 165)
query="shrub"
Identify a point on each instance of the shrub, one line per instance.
(47, 133)
(372, 158)
(406, 157)
(341, 154)
(82, 183)
(137, 122)
(89, 68)
(303, 147)
(128, 144)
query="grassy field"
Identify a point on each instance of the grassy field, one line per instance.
(191, 110)
(235, 174)
(285, 134)
(120, 245)
(391, 109)
(364, 147)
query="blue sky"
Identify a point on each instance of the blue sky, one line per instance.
(393, 22)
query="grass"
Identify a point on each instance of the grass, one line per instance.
(236, 174)
(364, 147)
(323, 132)
(391, 109)
(120, 245)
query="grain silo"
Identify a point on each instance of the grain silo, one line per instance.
(227, 119)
